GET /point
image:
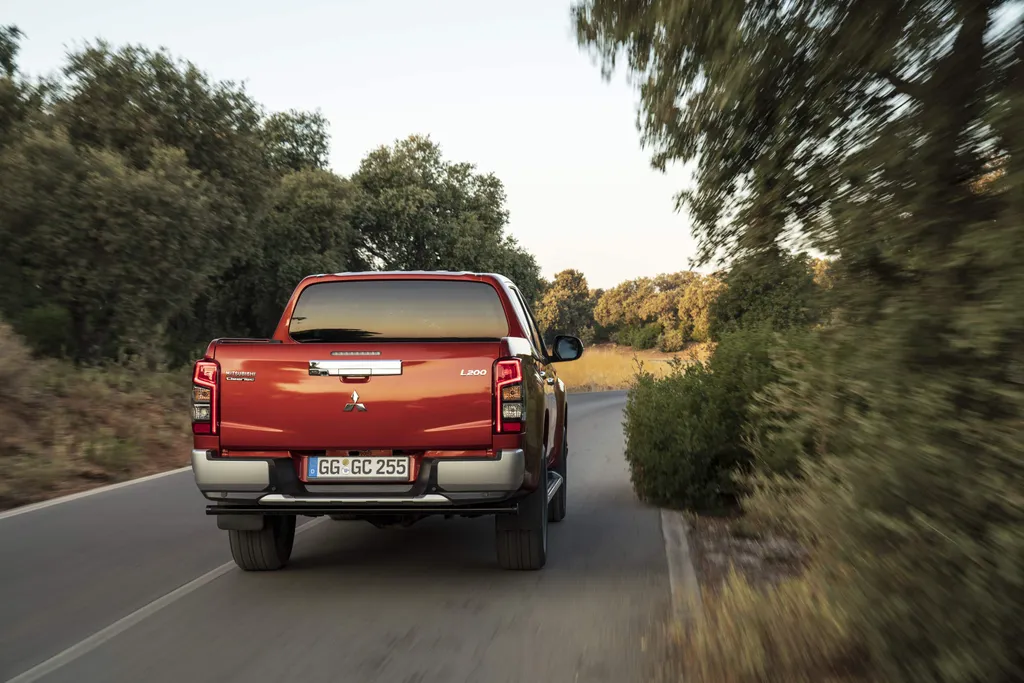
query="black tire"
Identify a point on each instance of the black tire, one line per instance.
(265, 550)
(559, 504)
(522, 537)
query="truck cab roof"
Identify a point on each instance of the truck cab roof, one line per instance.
(410, 275)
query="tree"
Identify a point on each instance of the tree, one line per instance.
(17, 98)
(98, 256)
(567, 307)
(695, 306)
(774, 289)
(862, 129)
(306, 230)
(622, 304)
(295, 141)
(133, 100)
(416, 211)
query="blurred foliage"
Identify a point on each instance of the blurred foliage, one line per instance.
(886, 136)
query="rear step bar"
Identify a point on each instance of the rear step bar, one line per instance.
(275, 503)
(555, 482)
(315, 510)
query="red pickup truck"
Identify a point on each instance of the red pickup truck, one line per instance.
(386, 397)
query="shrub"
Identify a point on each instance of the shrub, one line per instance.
(639, 337)
(905, 492)
(588, 335)
(684, 431)
(16, 367)
(671, 341)
(775, 289)
(47, 328)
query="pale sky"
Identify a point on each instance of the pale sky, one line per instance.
(499, 84)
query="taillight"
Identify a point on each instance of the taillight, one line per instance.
(204, 397)
(510, 399)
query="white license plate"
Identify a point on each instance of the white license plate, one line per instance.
(378, 468)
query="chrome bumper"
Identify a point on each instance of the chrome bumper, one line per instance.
(217, 477)
(504, 474)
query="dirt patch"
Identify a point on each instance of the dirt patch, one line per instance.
(763, 559)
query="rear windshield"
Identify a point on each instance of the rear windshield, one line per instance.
(398, 310)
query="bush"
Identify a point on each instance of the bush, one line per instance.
(684, 432)
(47, 328)
(897, 486)
(671, 341)
(774, 289)
(587, 336)
(16, 368)
(639, 337)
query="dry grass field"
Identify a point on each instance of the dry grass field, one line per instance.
(608, 367)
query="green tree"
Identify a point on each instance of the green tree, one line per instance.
(305, 230)
(98, 256)
(695, 306)
(295, 141)
(19, 100)
(772, 288)
(567, 307)
(11, 100)
(623, 304)
(416, 211)
(862, 129)
(134, 101)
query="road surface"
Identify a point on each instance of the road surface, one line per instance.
(417, 605)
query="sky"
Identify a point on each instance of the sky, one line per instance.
(502, 85)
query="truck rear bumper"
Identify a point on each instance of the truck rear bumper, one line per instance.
(272, 485)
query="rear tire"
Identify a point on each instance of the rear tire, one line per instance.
(522, 537)
(559, 504)
(265, 550)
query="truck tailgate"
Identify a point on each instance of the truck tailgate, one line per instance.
(402, 396)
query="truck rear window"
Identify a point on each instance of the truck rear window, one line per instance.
(398, 310)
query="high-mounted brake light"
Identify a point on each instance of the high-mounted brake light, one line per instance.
(510, 407)
(204, 397)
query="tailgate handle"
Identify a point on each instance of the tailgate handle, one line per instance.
(354, 368)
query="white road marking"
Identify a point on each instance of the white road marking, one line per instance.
(123, 624)
(85, 494)
(682, 577)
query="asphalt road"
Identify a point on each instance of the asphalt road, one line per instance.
(359, 604)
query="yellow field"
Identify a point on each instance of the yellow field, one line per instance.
(608, 367)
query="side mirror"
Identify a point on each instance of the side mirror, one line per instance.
(566, 349)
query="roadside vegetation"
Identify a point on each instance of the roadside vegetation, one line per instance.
(863, 436)
(65, 428)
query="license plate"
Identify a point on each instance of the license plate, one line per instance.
(323, 468)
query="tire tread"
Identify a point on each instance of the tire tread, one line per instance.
(268, 549)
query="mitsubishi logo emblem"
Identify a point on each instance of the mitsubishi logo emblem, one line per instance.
(355, 404)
